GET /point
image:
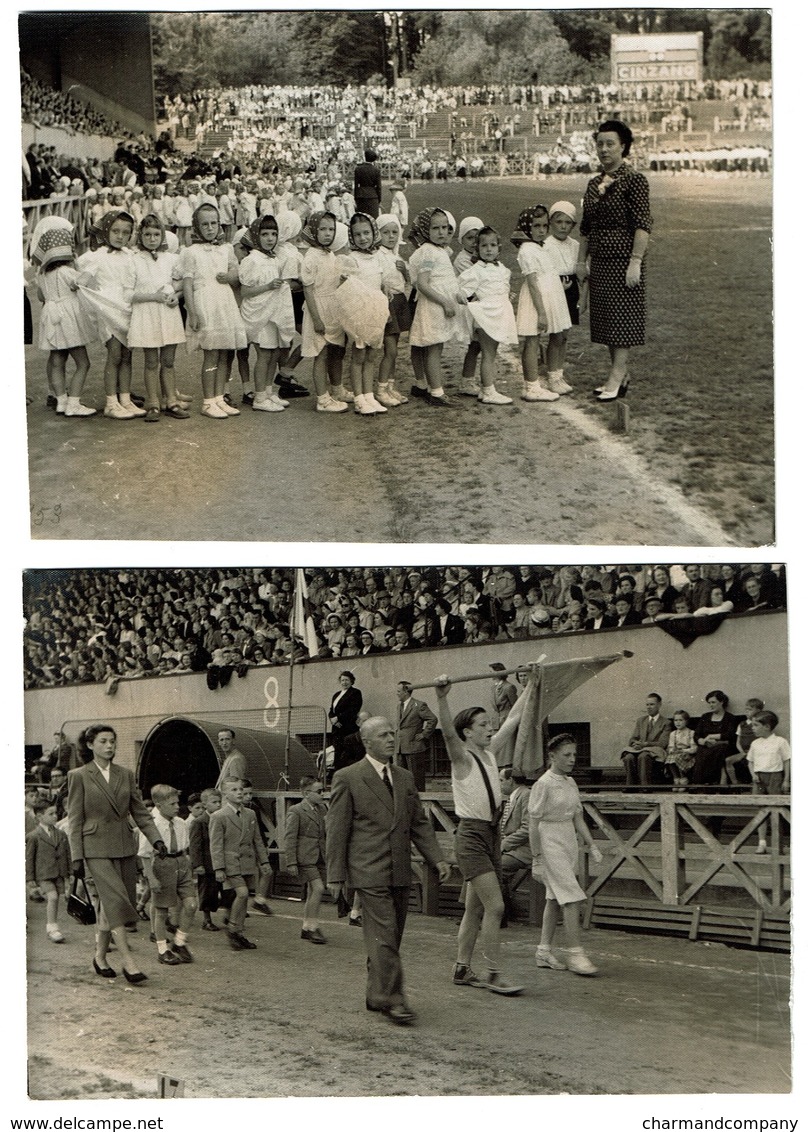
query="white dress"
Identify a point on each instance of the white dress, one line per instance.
(491, 311)
(321, 271)
(155, 324)
(183, 212)
(63, 323)
(554, 802)
(108, 296)
(430, 326)
(361, 301)
(222, 327)
(269, 318)
(534, 260)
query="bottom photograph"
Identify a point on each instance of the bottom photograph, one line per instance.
(510, 830)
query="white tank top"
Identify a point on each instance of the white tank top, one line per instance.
(469, 793)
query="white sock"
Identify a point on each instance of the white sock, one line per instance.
(437, 392)
(180, 937)
(162, 946)
(556, 374)
(261, 395)
(51, 927)
(112, 399)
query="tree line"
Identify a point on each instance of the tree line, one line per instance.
(197, 50)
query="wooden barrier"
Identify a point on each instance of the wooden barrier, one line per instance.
(690, 851)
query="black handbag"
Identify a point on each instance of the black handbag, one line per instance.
(79, 904)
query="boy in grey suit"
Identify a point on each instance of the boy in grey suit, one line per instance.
(237, 854)
(304, 846)
(374, 817)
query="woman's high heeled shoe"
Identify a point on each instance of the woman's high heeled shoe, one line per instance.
(104, 972)
(137, 977)
(604, 394)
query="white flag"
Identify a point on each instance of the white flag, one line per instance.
(303, 626)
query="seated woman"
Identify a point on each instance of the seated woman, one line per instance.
(718, 603)
(715, 740)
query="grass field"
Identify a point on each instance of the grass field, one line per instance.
(701, 420)
(702, 399)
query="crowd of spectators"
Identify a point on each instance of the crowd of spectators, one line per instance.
(43, 106)
(94, 626)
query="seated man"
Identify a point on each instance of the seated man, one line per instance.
(648, 743)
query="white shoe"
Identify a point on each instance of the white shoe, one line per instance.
(492, 396)
(547, 959)
(132, 409)
(213, 409)
(535, 391)
(61, 403)
(340, 393)
(329, 405)
(558, 385)
(375, 405)
(56, 936)
(397, 395)
(362, 407)
(268, 405)
(470, 389)
(117, 411)
(76, 409)
(228, 410)
(580, 964)
(383, 397)
(276, 400)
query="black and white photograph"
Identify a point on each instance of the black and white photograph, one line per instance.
(588, 374)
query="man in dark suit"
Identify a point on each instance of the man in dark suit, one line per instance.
(505, 693)
(415, 725)
(648, 743)
(696, 589)
(368, 185)
(374, 817)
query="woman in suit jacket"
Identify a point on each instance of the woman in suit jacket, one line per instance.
(101, 798)
(346, 705)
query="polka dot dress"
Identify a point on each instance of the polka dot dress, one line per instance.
(610, 219)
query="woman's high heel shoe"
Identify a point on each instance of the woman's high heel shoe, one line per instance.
(104, 972)
(137, 977)
(612, 394)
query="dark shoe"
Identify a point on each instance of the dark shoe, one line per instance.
(443, 402)
(262, 909)
(50, 401)
(184, 954)
(152, 415)
(137, 977)
(289, 389)
(143, 914)
(152, 937)
(228, 400)
(247, 398)
(288, 379)
(169, 958)
(400, 1014)
(171, 928)
(313, 936)
(175, 411)
(355, 921)
(104, 972)
(375, 1009)
(417, 391)
(463, 976)
(209, 926)
(138, 400)
(496, 983)
(234, 941)
(246, 944)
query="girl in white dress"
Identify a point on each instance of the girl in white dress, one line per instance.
(156, 325)
(208, 270)
(487, 286)
(563, 251)
(183, 213)
(398, 288)
(437, 318)
(107, 284)
(467, 235)
(266, 309)
(556, 824)
(323, 336)
(64, 328)
(542, 306)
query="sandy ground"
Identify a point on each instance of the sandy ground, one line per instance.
(663, 1016)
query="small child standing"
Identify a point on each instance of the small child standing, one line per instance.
(467, 235)
(542, 305)
(769, 762)
(399, 205)
(682, 749)
(170, 877)
(266, 309)
(209, 270)
(364, 312)
(64, 328)
(437, 318)
(323, 337)
(156, 325)
(556, 824)
(486, 284)
(207, 886)
(736, 767)
(237, 854)
(397, 288)
(304, 846)
(47, 862)
(563, 252)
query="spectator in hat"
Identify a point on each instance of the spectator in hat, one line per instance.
(505, 693)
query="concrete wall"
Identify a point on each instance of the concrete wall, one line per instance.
(747, 656)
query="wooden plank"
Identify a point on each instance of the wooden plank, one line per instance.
(673, 875)
(695, 923)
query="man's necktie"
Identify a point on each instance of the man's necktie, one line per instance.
(386, 780)
(172, 836)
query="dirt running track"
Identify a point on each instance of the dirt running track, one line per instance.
(663, 1016)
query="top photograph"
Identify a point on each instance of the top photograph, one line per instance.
(399, 277)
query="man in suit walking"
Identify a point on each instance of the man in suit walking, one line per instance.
(374, 817)
(505, 693)
(415, 725)
(648, 743)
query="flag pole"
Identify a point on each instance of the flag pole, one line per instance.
(495, 674)
(288, 743)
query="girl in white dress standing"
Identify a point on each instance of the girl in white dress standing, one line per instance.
(563, 252)
(323, 337)
(556, 824)
(156, 325)
(266, 308)
(487, 286)
(208, 270)
(542, 306)
(400, 318)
